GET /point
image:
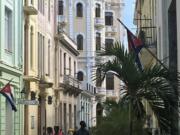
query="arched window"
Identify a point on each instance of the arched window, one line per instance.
(79, 10)
(109, 18)
(98, 41)
(80, 76)
(110, 81)
(98, 10)
(80, 42)
(98, 77)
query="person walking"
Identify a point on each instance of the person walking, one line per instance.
(82, 130)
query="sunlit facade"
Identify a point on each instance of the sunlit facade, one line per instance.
(92, 25)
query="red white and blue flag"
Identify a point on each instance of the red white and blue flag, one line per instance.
(6, 91)
(135, 44)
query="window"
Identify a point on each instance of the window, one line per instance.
(70, 116)
(80, 76)
(74, 68)
(32, 2)
(109, 18)
(80, 42)
(49, 10)
(31, 46)
(108, 43)
(98, 10)
(60, 7)
(109, 81)
(8, 30)
(49, 56)
(98, 77)
(60, 67)
(41, 50)
(64, 63)
(98, 41)
(41, 6)
(75, 115)
(79, 10)
(69, 65)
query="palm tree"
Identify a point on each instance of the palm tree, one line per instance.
(115, 122)
(153, 85)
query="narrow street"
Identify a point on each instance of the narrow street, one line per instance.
(89, 67)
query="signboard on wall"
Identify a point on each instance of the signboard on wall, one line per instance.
(27, 102)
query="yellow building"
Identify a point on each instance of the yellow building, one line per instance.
(38, 67)
(30, 67)
(145, 19)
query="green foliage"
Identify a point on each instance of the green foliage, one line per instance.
(116, 121)
(155, 85)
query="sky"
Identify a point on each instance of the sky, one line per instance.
(128, 15)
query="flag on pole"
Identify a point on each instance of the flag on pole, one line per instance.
(6, 91)
(135, 44)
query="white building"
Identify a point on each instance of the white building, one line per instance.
(93, 25)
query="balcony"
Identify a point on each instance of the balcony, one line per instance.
(111, 29)
(62, 20)
(111, 94)
(30, 78)
(100, 92)
(99, 22)
(45, 82)
(30, 9)
(70, 85)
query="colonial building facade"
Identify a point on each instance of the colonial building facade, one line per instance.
(11, 65)
(93, 26)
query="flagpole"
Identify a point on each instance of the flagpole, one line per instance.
(145, 47)
(10, 80)
(156, 57)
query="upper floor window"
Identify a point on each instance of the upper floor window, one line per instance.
(80, 76)
(79, 10)
(41, 6)
(109, 81)
(31, 46)
(98, 10)
(108, 18)
(80, 42)
(60, 7)
(108, 43)
(32, 2)
(8, 29)
(98, 77)
(64, 63)
(74, 68)
(49, 56)
(98, 41)
(49, 10)
(70, 66)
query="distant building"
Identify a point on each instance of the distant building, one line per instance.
(93, 26)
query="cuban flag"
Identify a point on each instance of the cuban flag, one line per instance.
(135, 44)
(6, 91)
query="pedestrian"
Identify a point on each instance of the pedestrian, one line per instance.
(60, 132)
(82, 130)
(49, 130)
